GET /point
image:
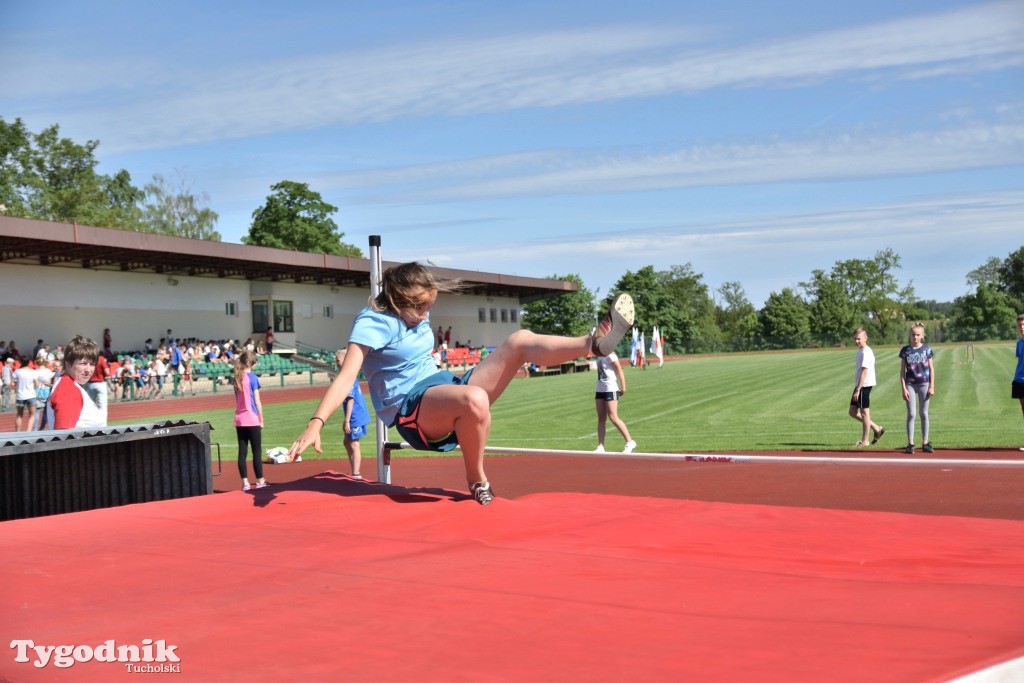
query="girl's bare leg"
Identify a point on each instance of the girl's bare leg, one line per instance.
(494, 373)
(464, 410)
(602, 416)
(613, 415)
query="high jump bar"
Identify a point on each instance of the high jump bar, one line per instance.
(389, 446)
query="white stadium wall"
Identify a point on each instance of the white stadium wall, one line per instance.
(56, 303)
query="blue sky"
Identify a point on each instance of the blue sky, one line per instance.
(755, 141)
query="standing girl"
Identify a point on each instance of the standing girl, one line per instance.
(248, 418)
(433, 409)
(917, 374)
(611, 383)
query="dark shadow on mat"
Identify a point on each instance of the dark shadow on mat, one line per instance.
(343, 485)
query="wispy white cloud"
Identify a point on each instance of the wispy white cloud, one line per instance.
(940, 238)
(823, 156)
(503, 73)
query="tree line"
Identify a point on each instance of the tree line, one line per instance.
(46, 176)
(822, 311)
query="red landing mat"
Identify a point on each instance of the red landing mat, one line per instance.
(331, 579)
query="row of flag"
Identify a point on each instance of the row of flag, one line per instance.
(636, 350)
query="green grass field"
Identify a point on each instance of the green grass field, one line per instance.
(760, 401)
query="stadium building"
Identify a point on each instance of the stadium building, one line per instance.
(58, 280)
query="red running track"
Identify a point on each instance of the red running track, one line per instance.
(582, 569)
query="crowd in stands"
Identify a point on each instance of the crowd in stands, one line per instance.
(147, 373)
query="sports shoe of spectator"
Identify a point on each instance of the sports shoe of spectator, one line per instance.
(927, 448)
(630, 445)
(878, 435)
(482, 492)
(600, 448)
(607, 335)
(246, 487)
(909, 450)
(262, 484)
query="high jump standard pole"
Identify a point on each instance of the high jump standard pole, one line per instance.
(383, 464)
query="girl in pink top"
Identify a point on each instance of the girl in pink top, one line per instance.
(248, 418)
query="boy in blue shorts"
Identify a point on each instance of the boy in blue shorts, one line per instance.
(357, 419)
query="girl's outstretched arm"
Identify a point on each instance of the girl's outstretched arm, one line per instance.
(336, 393)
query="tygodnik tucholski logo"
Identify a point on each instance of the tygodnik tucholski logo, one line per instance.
(152, 656)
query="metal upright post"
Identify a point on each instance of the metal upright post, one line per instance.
(383, 463)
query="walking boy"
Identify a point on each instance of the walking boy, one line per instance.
(1018, 375)
(864, 380)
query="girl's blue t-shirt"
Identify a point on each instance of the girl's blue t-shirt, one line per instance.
(399, 358)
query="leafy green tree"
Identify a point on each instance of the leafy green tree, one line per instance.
(736, 316)
(15, 165)
(986, 314)
(870, 287)
(986, 274)
(832, 314)
(45, 176)
(691, 323)
(572, 315)
(296, 217)
(1011, 277)
(172, 209)
(675, 300)
(785, 320)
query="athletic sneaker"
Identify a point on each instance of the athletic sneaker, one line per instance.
(600, 448)
(927, 448)
(607, 335)
(482, 492)
(245, 487)
(630, 445)
(878, 435)
(262, 484)
(909, 450)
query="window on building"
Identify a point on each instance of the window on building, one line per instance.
(231, 309)
(328, 311)
(283, 321)
(260, 316)
(514, 315)
(494, 315)
(504, 315)
(481, 315)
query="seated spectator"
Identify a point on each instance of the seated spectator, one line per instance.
(126, 376)
(70, 405)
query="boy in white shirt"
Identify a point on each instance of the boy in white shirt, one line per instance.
(864, 380)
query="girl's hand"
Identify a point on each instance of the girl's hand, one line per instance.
(311, 436)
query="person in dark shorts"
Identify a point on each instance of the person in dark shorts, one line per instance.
(611, 385)
(391, 342)
(864, 382)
